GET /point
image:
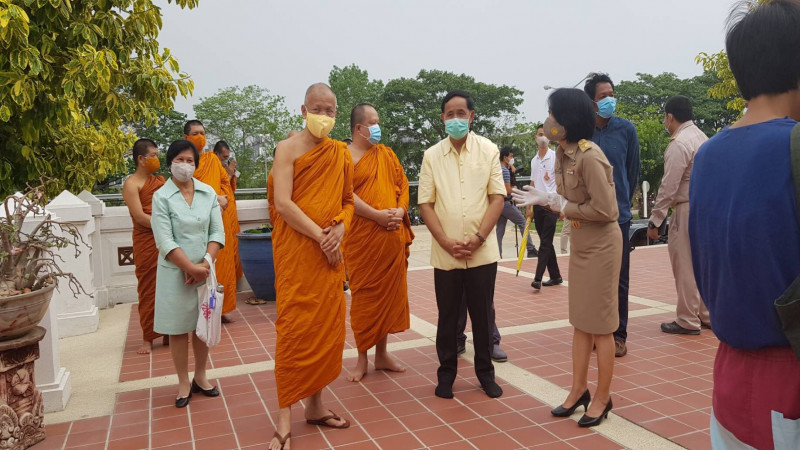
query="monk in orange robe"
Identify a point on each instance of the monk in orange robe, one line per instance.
(313, 198)
(376, 248)
(137, 191)
(225, 155)
(210, 171)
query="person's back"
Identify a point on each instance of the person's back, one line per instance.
(745, 236)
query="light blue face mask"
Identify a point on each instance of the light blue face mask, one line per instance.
(456, 128)
(606, 107)
(374, 134)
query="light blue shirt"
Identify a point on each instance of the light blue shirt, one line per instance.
(177, 225)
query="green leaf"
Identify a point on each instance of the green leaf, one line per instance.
(5, 113)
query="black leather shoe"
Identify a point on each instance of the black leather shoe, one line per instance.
(213, 392)
(553, 282)
(587, 421)
(674, 328)
(183, 402)
(536, 284)
(492, 389)
(584, 401)
(461, 349)
(533, 253)
(443, 391)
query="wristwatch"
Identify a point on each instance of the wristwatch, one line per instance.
(480, 238)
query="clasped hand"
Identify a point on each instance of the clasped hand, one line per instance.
(331, 242)
(197, 273)
(462, 249)
(391, 219)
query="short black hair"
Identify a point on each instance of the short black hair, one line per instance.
(142, 147)
(541, 126)
(763, 45)
(680, 107)
(178, 147)
(505, 151)
(459, 93)
(187, 128)
(219, 146)
(357, 114)
(591, 84)
(573, 110)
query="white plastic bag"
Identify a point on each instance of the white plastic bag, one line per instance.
(209, 299)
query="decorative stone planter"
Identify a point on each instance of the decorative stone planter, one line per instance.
(21, 313)
(255, 252)
(21, 405)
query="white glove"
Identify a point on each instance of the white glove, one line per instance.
(532, 196)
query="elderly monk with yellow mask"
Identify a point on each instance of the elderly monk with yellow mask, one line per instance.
(377, 245)
(211, 172)
(313, 184)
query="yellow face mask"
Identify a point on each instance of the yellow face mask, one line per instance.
(152, 164)
(199, 141)
(319, 125)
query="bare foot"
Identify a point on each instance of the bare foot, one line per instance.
(165, 341)
(276, 444)
(146, 348)
(385, 362)
(360, 370)
(183, 391)
(226, 319)
(333, 422)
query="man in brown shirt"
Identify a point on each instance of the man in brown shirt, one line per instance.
(674, 193)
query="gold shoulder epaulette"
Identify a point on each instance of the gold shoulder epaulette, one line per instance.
(584, 145)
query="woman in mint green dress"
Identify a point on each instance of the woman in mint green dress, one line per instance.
(187, 224)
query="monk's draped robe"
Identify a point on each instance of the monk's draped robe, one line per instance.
(211, 172)
(377, 260)
(309, 298)
(232, 199)
(145, 257)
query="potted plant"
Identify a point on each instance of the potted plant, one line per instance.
(28, 261)
(255, 252)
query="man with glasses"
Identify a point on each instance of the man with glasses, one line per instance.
(313, 183)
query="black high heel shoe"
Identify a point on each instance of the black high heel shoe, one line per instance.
(587, 421)
(183, 402)
(584, 401)
(213, 392)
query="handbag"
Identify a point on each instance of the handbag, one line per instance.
(788, 304)
(209, 301)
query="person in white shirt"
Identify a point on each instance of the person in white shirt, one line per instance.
(544, 179)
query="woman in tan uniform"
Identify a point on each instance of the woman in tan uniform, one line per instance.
(586, 196)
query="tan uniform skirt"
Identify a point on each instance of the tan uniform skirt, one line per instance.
(594, 264)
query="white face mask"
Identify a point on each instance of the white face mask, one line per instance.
(511, 161)
(542, 141)
(182, 171)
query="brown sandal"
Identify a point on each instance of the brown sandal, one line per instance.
(323, 422)
(282, 439)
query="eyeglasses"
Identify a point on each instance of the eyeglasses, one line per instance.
(328, 112)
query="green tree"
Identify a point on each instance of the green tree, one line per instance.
(71, 75)
(252, 121)
(717, 63)
(168, 128)
(352, 86)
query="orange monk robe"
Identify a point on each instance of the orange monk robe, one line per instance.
(310, 302)
(239, 270)
(377, 260)
(145, 257)
(211, 172)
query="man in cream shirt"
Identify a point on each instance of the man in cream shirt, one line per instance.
(461, 194)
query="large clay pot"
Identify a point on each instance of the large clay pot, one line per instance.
(19, 314)
(255, 252)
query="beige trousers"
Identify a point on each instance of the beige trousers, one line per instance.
(691, 311)
(566, 228)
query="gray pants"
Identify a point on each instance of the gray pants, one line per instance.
(512, 213)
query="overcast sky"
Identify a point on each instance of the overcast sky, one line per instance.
(286, 45)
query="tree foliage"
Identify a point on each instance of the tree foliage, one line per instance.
(72, 73)
(252, 121)
(352, 86)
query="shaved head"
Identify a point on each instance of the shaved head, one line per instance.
(319, 90)
(358, 115)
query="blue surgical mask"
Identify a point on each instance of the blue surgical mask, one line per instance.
(606, 107)
(374, 134)
(456, 128)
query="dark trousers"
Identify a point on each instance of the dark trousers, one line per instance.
(462, 324)
(476, 286)
(546, 221)
(624, 279)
